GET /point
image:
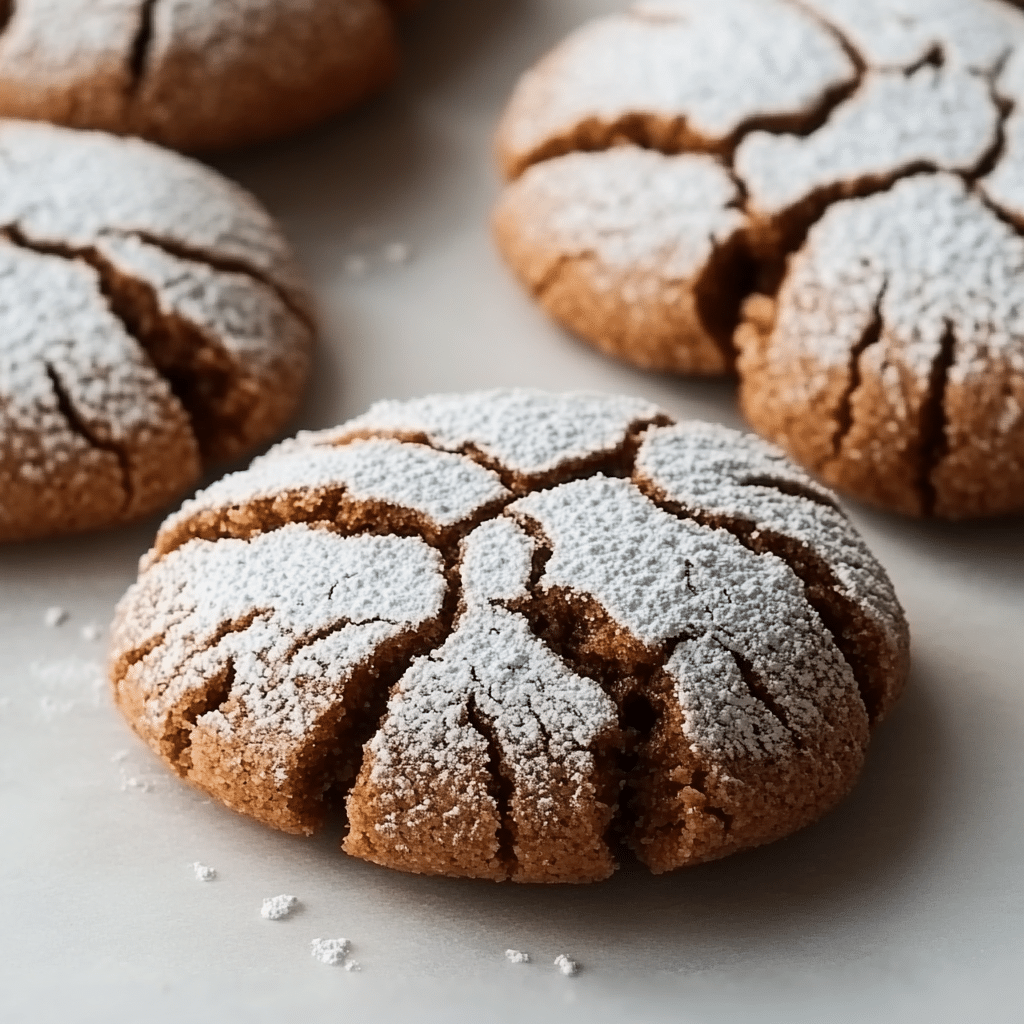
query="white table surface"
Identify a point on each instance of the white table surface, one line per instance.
(907, 903)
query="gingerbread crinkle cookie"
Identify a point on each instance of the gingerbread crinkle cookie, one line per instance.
(674, 170)
(153, 318)
(515, 631)
(190, 74)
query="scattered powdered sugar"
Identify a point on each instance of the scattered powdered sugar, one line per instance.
(90, 632)
(333, 952)
(567, 966)
(55, 616)
(118, 756)
(134, 783)
(517, 956)
(527, 431)
(204, 873)
(277, 907)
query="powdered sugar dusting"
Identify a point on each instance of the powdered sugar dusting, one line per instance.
(527, 431)
(932, 257)
(710, 66)
(728, 473)
(275, 908)
(936, 117)
(290, 614)
(970, 34)
(332, 952)
(664, 578)
(444, 487)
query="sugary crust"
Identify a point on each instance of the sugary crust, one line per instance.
(922, 285)
(189, 74)
(154, 316)
(621, 247)
(887, 90)
(594, 628)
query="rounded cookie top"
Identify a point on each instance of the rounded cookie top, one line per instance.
(153, 317)
(728, 134)
(191, 74)
(508, 626)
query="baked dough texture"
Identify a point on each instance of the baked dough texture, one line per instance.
(152, 318)
(517, 632)
(193, 74)
(826, 196)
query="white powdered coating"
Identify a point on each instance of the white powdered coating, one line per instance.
(728, 473)
(302, 608)
(632, 209)
(939, 118)
(663, 578)
(544, 719)
(241, 318)
(55, 616)
(277, 907)
(932, 257)
(203, 872)
(566, 965)
(443, 487)
(712, 66)
(1004, 187)
(517, 956)
(496, 562)
(70, 188)
(900, 34)
(64, 354)
(331, 952)
(526, 431)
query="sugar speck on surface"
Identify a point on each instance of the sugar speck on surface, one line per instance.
(567, 966)
(276, 907)
(91, 632)
(517, 956)
(333, 952)
(118, 756)
(203, 872)
(55, 616)
(129, 782)
(398, 252)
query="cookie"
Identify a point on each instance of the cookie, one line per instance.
(152, 318)
(191, 74)
(516, 631)
(696, 188)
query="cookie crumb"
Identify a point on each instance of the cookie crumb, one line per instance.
(276, 907)
(517, 956)
(203, 872)
(567, 966)
(90, 632)
(398, 253)
(55, 616)
(332, 952)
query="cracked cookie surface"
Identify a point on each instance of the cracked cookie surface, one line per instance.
(190, 74)
(515, 632)
(675, 170)
(153, 318)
